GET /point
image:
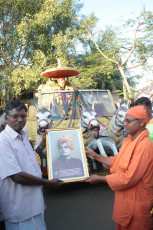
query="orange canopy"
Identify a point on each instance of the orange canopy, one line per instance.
(60, 72)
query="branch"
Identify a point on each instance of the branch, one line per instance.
(28, 62)
(151, 94)
(4, 56)
(19, 53)
(134, 43)
(3, 53)
(137, 65)
(105, 56)
(19, 62)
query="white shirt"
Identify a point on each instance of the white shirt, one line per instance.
(18, 202)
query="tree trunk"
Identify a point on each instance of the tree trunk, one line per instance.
(6, 90)
(126, 88)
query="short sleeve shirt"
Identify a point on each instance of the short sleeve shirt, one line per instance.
(18, 202)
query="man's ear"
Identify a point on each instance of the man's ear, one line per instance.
(3, 127)
(142, 122)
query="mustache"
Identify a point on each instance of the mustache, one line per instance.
(19, 123)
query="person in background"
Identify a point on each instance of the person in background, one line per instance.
(21, 194)
(2, 121)
(2, 127)
(148, 105)
(145, 101)
(62, 82)
(131, 174)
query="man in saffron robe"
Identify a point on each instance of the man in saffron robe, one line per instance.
(131, 175)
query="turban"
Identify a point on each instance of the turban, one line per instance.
(138, 112)
(66, 139)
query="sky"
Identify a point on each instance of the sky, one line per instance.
(115, 13)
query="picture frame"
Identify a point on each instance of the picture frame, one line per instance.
(66, 159)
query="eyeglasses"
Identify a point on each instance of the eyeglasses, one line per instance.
(15, 116)
(129, 121)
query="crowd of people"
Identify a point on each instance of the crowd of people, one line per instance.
(131, 172)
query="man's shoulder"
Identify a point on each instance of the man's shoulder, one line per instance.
(5, 139)
(145, 144)
(3, 135)
(7, 132)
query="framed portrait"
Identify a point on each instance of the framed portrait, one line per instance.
(66, 157)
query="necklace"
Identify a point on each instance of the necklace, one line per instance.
(117, 140)
(87, 136)
(64, 98)
(115, 133)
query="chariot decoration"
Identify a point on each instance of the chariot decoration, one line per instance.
(69, 106)
(60, 73)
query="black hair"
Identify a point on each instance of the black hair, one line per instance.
(143, 101)
(2, 111)
(15, 105)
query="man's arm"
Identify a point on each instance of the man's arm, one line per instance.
(28, 179)
(140, 163)
(95, 179)
(91, 154)
(42, 145)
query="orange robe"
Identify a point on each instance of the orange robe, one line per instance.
(132, 181)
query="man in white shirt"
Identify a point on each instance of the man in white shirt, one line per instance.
(21, 195)
(2, 127)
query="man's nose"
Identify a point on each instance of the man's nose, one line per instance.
(19, 118)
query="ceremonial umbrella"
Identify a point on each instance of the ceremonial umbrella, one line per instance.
(60, 72)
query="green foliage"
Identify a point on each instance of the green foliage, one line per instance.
(97, 72)
(33, 34)
(28, 77)
(124, 53)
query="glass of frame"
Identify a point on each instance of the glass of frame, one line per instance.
(66, 157)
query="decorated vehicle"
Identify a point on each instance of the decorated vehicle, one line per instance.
(64, 103)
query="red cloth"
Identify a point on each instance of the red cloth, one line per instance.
(134, 186)
(67, 168)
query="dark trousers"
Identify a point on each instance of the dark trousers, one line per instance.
(2, 225)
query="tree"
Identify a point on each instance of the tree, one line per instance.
(96, 72)
(124, 53)
(33, 34)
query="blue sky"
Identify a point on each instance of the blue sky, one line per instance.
(115, 12)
